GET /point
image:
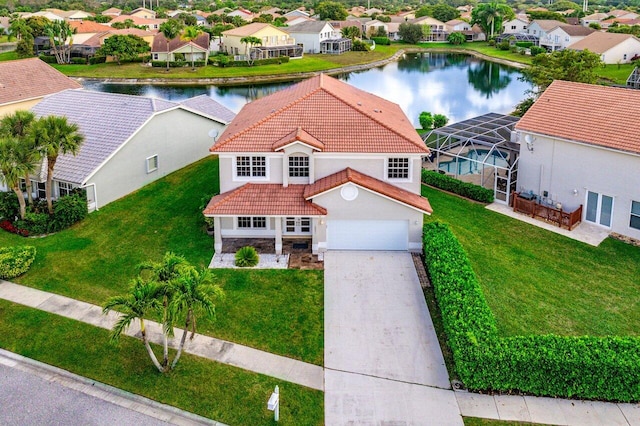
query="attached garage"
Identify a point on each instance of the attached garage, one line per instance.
(367, 234)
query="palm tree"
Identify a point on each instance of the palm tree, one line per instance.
(249, 41)
(12, 169)
(163, 273)
(142, 299)
(55, 135)
(18, 28)
(170, 29)
(59, 32)
(17, 125)
(192, 293)
(491, 15)
(189, 34)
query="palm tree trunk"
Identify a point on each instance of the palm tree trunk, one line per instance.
(167, 55)
(23, 208)
(183, 339)
(29, 188)
(51, 162)
(165, 334)
(193, 62)
(148, 346)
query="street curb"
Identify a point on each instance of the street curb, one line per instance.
(96, 389)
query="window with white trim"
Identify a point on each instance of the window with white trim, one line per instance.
(634, 221)
(152, 164)
(252, 222)
(247, 166)
(298, 166)
(64, 188)
(398, 168)
(41, 188)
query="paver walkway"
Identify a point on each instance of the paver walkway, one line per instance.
(222, 351)
(383, 363)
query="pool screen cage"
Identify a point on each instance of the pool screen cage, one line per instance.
(633, 82)
(479, 150)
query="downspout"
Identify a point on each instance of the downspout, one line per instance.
(95, 193)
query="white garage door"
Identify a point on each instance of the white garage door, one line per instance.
(367, 234)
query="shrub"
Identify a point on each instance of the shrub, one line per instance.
(9, 207)
(15, 261)
(69, 210)
(79, 61)
(49, 59)
(35, 223)
(97, 60)
(585, 367)
(504, 45)
(491, 42)
(524, 44)
(176, 64)
(8, 226)
(246, 257)
(465, 189)
(535, 50)
(513, 49)
(384, 41)
(359, 46)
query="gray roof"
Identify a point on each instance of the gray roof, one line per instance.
(107, 121)
(307, 27)
(205, 105)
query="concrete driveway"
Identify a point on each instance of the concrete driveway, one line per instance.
(383, 363)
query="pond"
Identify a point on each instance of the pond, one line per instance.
(456, 85)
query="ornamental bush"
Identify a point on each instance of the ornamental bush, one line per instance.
(465, 189)
(383, 41)
(247, 257)
(15, 261)
(606, 368)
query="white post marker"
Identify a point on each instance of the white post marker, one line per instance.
(274, 404)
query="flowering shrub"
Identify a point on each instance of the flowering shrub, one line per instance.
(15, 261)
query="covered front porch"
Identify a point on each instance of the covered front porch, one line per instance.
(296, 251)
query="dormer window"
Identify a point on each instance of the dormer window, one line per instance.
(299, 166)
(398, 168)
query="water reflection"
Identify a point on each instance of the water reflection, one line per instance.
(458, 86)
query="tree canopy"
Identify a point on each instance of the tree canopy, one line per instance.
(123, 47)
(569, 65)
(490, 16)
(443, 12)
(411, 33)
(331, 11)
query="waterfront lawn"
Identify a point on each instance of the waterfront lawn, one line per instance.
(539, 282)
(480, 47)
(97, 258)
(309, 63)
(210, 389)
(616, 73)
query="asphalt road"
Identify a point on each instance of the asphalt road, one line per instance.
(26, 399)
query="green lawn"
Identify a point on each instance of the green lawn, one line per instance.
(217, 391)
(481, 47)
(474, 421)
(97, 258)
(538, 282)
(308, 63)
(8, 56)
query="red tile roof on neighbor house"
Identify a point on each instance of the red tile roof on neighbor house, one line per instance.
(83, 27)
(349, 175)
(254, 199)
(342, 117)
(32, 78)
(588, 113)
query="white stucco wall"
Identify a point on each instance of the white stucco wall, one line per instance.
(568, 170)
(520, 26)
(629, 47)
(177, 137)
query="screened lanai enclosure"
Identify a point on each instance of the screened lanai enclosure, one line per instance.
(633, 82)
(481, 150)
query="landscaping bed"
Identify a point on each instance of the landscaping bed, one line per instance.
(97, 258)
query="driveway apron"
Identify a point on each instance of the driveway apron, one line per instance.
(383, 363)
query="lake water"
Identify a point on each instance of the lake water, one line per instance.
(458, 86)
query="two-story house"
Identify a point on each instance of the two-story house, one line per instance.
(319, 37)
(324, 161)
(274, 42)
(563, 36)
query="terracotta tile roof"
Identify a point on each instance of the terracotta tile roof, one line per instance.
(253, 199)
(576, 30)
(598, 115)
(31, 79)
(160, 43)
(298, 135)
(342, 117)
(246, 30)
(136, 20)
(81, 27)
(349, 175)
(599, 42)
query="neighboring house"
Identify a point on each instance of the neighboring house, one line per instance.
(609, 22)
(297, 13)
(437, 30)
(198, 47)
(325, 161)
(540, 27)
(112, 11)
(295, 20)
(87, 27)
(143, 12)
(275, 42)
(26, 82)
(130, 141)
(515, 26)
(472, 33)
(594, 17)
(45, 14)
(623, 14)
(613, 48)
(319, 37)
(4, 24)
(591, 156)
(371, 27)
(89, 47)
(246, 15)
(149, 24)
(564, 35)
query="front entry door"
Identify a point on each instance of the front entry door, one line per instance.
(297, 226)
(599, 209)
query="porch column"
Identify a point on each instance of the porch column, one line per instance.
(278, 235)
(217, 235)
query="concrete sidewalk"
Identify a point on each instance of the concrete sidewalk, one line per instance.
(244, 357)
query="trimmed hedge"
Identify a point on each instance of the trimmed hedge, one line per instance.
(524, 44)
(176, 64)
(575, 367)
(465, 189)
(15, 261)
(384, 41)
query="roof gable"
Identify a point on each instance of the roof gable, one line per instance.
(253, 29)
(300, 136)
(599, 42)
(344, 118)
(592, 114)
